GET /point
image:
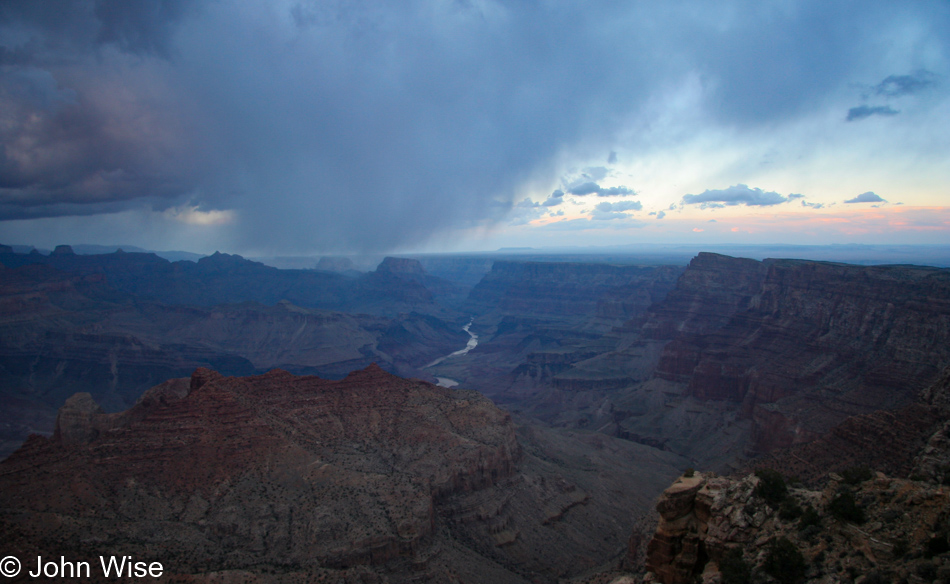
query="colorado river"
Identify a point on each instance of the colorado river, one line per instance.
(471, 344)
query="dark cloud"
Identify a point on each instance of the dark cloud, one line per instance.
(868, 197)
(735, 195)
(592, 188)
(69, 29)
(866, 111)
(368, 125)
(556, 198)
(898, 85)
(587, 188)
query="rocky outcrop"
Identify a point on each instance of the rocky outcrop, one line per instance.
(237, 472)
(715, 528)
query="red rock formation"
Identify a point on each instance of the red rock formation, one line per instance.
(229, 472)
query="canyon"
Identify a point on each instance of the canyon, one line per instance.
(592, 386)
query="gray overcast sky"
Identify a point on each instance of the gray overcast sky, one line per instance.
(309, 127)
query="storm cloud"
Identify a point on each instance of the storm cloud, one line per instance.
(365, 126)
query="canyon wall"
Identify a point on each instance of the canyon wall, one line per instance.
(570, 290)
(802, 345)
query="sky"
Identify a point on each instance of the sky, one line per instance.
(312, 127)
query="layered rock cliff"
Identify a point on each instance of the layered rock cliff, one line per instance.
(372, 477)
(800, 346)
(570, 291)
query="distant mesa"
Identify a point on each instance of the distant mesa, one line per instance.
(401, 266)
(62, 250)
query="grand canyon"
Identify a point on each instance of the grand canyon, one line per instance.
(477, 418)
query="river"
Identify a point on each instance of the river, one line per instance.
(471, 344)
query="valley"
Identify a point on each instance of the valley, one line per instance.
(318, 391)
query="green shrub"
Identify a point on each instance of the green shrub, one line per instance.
(844, 507)
(734, 568)
(689, 472)
(810, 517)
(900, 548)
(936, 546)
(789, 509)
(927, 570)
(771, 487)
(856, 474)
(784, 562)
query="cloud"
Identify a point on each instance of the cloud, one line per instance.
(607, 211)
(555, 199)
(661, 215)
(898, 85)
(813, 205)
(865, 111)
(868, 197)
(591, 188)
(365, 126)
(739, 194)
